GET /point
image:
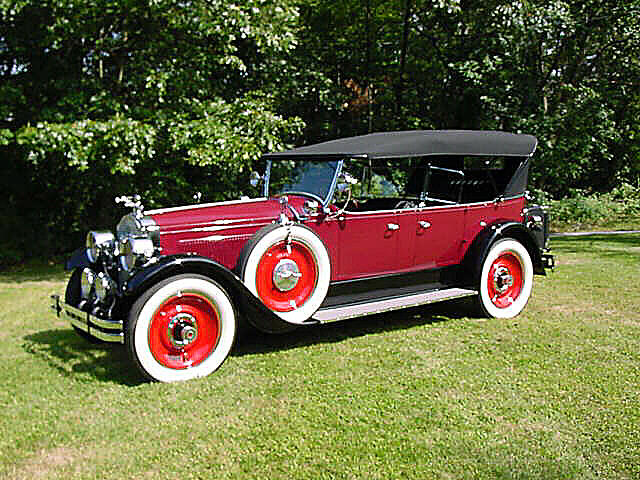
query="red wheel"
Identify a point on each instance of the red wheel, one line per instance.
(506, 280)
(184, 331)
(183, 327)
(288, 269)
(286, 276)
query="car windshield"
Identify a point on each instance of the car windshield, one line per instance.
(308, 177)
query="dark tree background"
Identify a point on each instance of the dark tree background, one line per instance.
(169, 98)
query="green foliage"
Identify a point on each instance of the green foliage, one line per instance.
(109, 97)
(581, 210)
(123, 143)
(564, 71)
(169, 98)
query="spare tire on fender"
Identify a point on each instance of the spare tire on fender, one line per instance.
(288, 268)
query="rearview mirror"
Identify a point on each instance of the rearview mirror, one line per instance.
(345, 181)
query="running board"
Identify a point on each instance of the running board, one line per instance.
(333, 314)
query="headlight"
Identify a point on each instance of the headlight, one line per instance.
(134, 252)
(104, 287)
(132, 226)
(96, 242)
(87, 281)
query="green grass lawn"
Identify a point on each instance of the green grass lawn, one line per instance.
(421, 393)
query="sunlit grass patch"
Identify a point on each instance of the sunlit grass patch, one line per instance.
(421, 393)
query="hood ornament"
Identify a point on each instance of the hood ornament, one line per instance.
(132, 201)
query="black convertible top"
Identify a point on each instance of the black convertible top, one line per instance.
(417, 143)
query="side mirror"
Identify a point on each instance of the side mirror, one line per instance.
(255, 179)
(311, 207)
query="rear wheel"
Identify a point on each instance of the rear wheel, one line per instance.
(182, 328)
(506, 279)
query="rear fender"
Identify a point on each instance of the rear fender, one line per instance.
(472, 263)
(248, 305)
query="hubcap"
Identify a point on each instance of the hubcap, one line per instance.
(502, 279)
(286, 275)
(182, 330)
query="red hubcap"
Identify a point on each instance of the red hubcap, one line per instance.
(184, 331)
(505, 280)
(283, 294)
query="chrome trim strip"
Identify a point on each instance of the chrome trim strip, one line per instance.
(203, 205)
(108, 337)
(260, 223)
(107, 324)
(485, 203)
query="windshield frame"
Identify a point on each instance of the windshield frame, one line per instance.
(324, 201)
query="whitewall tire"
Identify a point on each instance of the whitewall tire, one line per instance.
(288, 269)
(182, 328)
(506, 279)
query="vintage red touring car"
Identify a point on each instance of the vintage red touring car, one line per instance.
(344, 228)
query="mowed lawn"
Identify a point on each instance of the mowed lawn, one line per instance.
(421, 393)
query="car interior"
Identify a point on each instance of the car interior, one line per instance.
(426, 182)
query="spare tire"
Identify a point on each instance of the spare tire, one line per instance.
(287, 267)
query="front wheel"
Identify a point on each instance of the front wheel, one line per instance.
(182, 328)
(506, 279)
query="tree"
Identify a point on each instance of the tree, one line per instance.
(163, 97)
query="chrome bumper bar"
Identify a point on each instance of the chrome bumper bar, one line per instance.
(100, 328)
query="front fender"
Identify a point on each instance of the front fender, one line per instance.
(78, 259)
(485, 239)
(249, 306)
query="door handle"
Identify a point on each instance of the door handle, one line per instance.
(393, 226)
(424, 224)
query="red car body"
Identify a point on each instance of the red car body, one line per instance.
(344, 228)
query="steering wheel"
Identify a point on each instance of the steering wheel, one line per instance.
(403, 204)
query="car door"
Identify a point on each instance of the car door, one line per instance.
(438, 236)
(375, 243)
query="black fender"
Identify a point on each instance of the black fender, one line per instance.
(78, 259)
(248, 305)
(472, 262)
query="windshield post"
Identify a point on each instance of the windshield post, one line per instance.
(267, 175)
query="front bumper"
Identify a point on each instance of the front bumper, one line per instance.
(100, 328)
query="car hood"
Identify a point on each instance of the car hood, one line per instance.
(221, 213)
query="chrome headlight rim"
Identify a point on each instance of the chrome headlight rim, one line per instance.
(104, 288)
(98, 242)
(87, 283)
(135, 252)
(132, 226)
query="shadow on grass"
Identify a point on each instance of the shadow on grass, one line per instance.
(34, 271)
(73, 356)
(253, 342)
